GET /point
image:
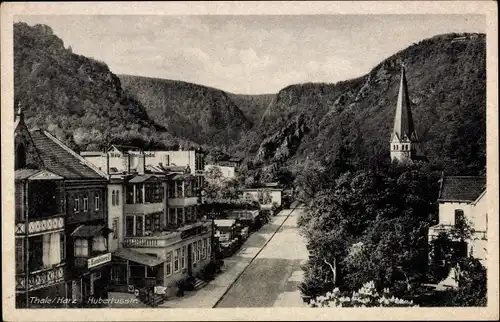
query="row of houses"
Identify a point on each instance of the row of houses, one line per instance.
(85, 224)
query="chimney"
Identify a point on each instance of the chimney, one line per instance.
(141, 163)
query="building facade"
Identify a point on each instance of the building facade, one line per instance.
(462, 202)
(160, 237)
(265, 196)
(61, 210)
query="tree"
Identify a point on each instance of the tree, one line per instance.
(370, 226)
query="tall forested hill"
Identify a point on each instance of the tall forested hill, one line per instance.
(201, 114)
(76, 98)
(253, 106)
(447, 87)
(81, 101)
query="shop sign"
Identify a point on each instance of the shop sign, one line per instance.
(160, 290)
(98, 260)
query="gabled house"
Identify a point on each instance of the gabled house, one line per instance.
(61, 220)
(462, 200)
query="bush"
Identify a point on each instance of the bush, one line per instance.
(366, 296)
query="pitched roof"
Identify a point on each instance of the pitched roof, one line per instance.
(61, 160)
(90, 231)
(403, 120)
(180, 177)
(21, 174)
(124, 148)
(144, 177)
(461, 188)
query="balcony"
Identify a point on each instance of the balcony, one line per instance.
(163, 240)
(40, 226)
(144, 208)
(94, 260)
(167, 238)
(40, 279)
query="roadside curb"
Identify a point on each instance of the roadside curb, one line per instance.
(253, 258)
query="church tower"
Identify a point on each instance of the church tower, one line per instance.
(404, 141)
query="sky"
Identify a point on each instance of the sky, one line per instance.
(254, 54)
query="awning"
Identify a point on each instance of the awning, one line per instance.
(91, 231)
(138, 257)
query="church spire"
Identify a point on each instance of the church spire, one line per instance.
(403, 121)
(404, 142)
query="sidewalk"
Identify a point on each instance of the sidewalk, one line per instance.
(208, 296)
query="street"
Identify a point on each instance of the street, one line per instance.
(272, 278)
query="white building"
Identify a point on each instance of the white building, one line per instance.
(159, 237)
(463, 200)
(266, 196)
(228, 172)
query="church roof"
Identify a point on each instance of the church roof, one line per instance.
(403, 120)
(60, 159)
(461, 188)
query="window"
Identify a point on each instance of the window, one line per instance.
(129, 226)
(176, 259)
(85, 203)
(198, 253)
(20, 255)
(171, 216)
(183, 257)
(99, 244)
(193, 248)
(62, 246)
(76, 208)
(117, 197)
(157, 222)
(168, 264)
(130, 193)
(151, 272)
(147, 223)
(179, 189)
(171, 189)
(204, 251)
(459, 217)
(115, 227)
(209, 252)
(113, 197)
(138, 193)
(96, 201)
(35, 253)
(179, 215)
(81, 248)
(139, 225)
